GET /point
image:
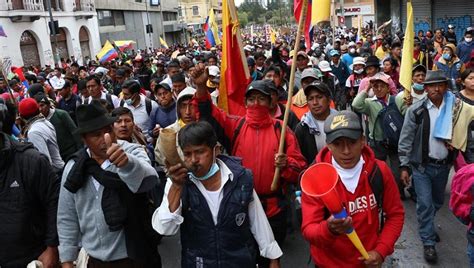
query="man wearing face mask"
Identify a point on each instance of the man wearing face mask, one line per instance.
(417, 92)
(255, 138)
(466, 46)
(349, 57)
(142, 107)
(220, 182)
(451, 65)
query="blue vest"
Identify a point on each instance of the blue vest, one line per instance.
(230, 243)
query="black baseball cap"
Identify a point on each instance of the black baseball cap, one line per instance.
(262, 86)
(319, 86)
(163, 85)
(342, 124)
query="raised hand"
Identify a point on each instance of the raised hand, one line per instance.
(115, 153)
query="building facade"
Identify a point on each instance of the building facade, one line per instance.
(28, 41)
(195, 12)
(432, 14)
(352, 10)
(128, 20)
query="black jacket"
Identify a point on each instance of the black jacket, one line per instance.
(307, 142)
(292, 118)
(29, 191)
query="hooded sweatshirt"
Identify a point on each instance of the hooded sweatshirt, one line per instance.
(329, 250)
(176, 126)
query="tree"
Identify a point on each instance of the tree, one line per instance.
(243, 18)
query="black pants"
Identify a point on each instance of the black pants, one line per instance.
(279, 225)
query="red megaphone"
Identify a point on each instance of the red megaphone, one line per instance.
(319, 181)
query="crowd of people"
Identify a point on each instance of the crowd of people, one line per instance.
(89, 179)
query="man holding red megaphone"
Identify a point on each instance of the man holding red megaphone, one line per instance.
(344, 193)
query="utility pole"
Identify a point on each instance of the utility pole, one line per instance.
(149, 28)
(162, 19)
(53, 33)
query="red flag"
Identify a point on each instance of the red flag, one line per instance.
(297, 6)
(235, 75)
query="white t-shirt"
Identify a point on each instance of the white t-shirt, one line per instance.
(321, 138)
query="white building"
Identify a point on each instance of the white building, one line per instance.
(28, 41)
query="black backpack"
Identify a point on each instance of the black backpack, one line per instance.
(391, 120)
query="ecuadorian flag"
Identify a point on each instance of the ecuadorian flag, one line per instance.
(107, 53)
(211, 30)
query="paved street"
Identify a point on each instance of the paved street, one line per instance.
(408, 252)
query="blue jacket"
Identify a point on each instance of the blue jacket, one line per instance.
(342, 72)
(452, 70)
(230, 243)
(464, 51)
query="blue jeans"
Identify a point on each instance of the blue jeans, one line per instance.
(470, 253)
(430, 183)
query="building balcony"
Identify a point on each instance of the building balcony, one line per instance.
(27, 5)
(83, 5)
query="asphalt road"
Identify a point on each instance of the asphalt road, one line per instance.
(408, 249)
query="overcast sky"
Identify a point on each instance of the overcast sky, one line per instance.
(238, 2)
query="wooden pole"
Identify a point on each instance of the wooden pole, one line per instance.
(10, 90)
(281, 148)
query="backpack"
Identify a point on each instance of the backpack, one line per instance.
(277, 126)
(391, 120)
(461, 200)
(376, 184)
(148, 105)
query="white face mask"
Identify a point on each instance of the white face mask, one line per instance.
(359, 71)
(352, 50)
(468, 39)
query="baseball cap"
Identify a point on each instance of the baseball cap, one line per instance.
(28, 107)
(319, 86)
(310, 72)
(214, 70)
(334, 52)
(165, 86)
(380, 77)
(41, 98)
(324, 66)
(418, 67)
(342, 124)
(302, 53)
(351, 44)
(261, 86)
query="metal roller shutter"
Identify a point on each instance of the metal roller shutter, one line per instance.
(421, 12)
(459, 13)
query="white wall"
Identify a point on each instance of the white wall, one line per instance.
(10, 46)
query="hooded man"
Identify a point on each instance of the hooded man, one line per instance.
(466, 47)
(255, 138)
(186, 114)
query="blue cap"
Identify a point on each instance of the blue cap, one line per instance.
(333, 53)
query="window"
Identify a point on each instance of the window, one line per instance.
(180, 12)
(169, 16)
(195, 11)
(110, 17)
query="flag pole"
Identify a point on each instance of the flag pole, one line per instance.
(281, 148)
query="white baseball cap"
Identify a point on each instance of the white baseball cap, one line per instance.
(214, 70)
(324, 66)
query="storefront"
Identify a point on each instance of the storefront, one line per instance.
(352, 13)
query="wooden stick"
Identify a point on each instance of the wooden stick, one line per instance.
(10, 90)
(281, 148)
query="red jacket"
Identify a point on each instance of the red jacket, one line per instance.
(257, 143)
(329, 250)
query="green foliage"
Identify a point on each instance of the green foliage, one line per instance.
(243, 18)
